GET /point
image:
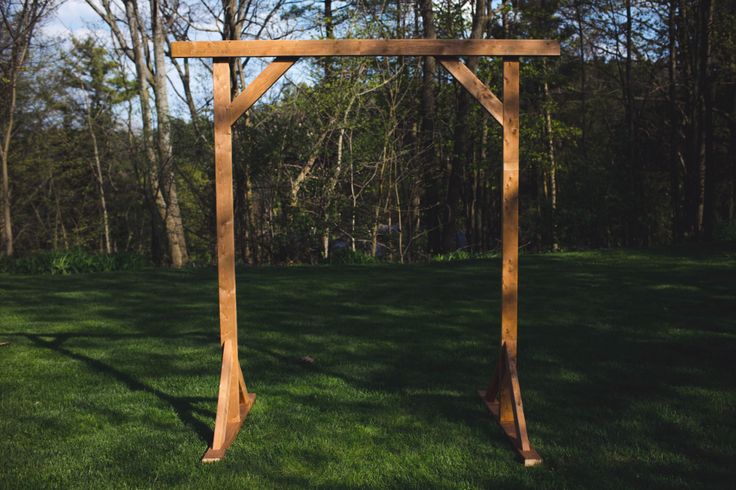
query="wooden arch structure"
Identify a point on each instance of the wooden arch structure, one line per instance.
(503, 395)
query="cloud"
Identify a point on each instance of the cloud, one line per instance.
(72, 18)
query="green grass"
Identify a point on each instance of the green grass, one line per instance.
(626, 367)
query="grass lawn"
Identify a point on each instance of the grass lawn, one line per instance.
(626, 364)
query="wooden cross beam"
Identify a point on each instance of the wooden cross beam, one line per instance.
(366, 47)
(503, 395)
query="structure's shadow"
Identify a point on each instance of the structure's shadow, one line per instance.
(184, 407)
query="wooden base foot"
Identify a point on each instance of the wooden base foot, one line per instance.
(233, 403)
(530, 457)
(214, 455)
(503, 400)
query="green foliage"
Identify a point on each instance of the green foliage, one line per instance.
(463, 255)
(90, 67)
(347, 145)
(72, 262)
(350, 257)
(725, 231)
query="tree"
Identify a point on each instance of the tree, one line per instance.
(130, 34)
(96, 83)
(20, 18)
(427, 110)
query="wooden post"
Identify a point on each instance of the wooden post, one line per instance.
(510, 197)
(503, 395)
(510, 223)
(233, 400)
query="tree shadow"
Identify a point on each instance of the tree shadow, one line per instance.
(184, 407)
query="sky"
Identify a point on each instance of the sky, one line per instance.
(73, 17)
(76, 18)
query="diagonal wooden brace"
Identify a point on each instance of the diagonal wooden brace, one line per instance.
(474, 86)
(233, 404)
(503, 399)
(245, 99)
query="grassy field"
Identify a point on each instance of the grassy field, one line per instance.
(626, 366)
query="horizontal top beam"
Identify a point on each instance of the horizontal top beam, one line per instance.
(366, 47)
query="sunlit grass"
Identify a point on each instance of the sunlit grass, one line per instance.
(625, 362)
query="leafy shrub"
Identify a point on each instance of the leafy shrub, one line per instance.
(71, 262)
(200, 260)
(725, 231)
(349, 257)
(463, 255)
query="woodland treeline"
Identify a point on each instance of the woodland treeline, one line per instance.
(628, 139)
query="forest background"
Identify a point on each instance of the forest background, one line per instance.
(627, 140)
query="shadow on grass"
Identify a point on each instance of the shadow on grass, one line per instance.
(183, 406)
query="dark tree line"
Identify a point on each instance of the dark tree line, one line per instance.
(627, 140)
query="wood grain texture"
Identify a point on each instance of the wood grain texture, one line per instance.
(510, 209)
(233, 400)
(517, 406)
(214, 455)
(474, 86)
(255, 90)
(367, 47)
(233, 404)
(224, 201)
(224, 408)
(504, 394)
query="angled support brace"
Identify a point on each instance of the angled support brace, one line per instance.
(474, 86)
(233, 404)
(503, 399)
(270, 75)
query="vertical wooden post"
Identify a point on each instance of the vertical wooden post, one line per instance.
(510, 223)
(233, 400)
(510, 218)
(503, 395)
(224, 201)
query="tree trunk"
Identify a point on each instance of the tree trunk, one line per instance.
(100, 183)
(329, 34)
(7, 136)
(551, 177)
(707, 162)
(462, 148)
(631, 217)
(156, 204)
(172, 218)
(583, 75)
(732, 155)
(426, 139)
(675, 147)
(19, 32)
